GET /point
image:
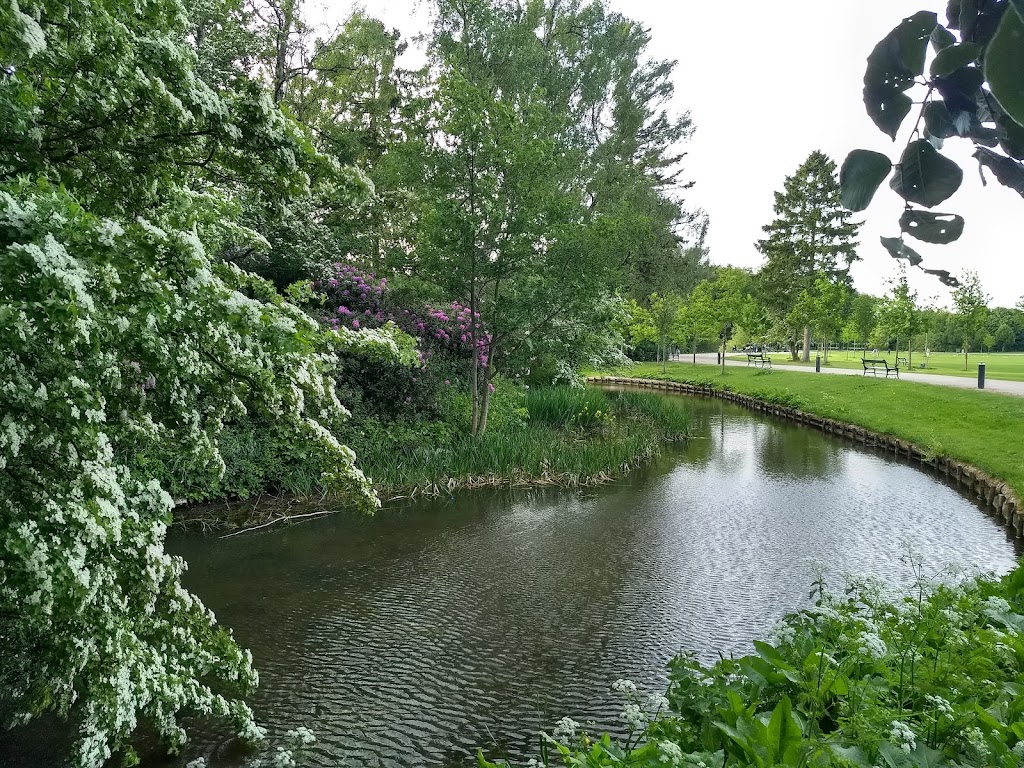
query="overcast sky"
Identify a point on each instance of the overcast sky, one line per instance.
(766, 84)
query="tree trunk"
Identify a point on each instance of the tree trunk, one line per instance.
(694, 350)
(965, 354)
(793, 350)
(485, 407)
(723, 354)
(807, 343)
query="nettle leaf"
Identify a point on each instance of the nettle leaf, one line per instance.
(1004, 65)
(938, 228)
(944, 277)
(862, 174)
(1009, 172)
(900, 250)
(924, 176)
(892, 66)
(950, 59)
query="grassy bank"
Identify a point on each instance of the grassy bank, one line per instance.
(551, 436)
(560, 436)
(1008, 366)
(981, 428)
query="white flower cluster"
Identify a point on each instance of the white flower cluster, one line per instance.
(565, 731)
(141, 362)
(302, 736)
(871, 645)
(902, 736)
(941, 705)
(670, 753)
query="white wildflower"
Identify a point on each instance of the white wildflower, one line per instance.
(634, 717)
(941, 705)
(625, 687)
(871, 645)
(302, 735)
(565, 730)
(903, 736)
(670, 753)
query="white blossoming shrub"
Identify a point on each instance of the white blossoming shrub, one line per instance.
(117, 336)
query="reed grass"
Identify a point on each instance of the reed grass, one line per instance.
(573, 437)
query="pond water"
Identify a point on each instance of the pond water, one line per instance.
(415, 636)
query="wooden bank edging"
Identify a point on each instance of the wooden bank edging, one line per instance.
(997, 494)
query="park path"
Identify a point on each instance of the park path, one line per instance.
(960, 382)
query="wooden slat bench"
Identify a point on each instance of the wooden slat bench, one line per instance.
(879, 366)
(759, 359)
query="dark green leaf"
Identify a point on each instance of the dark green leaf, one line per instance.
(892, 66)
(1004, 66)
(939, 228)
(938, 120)
(953, 14)
(942, 38)
(889, 113)
(944, 277)
(960, 89)
(968, 19)
(924, 176)
(862, 174)
(784, 732)
(949, 60)
(1009, 172)
(1011, 133)
(1018, 5)
(1011, 137)
(988, 137)
(899, 250)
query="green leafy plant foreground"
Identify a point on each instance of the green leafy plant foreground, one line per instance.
(864, 678)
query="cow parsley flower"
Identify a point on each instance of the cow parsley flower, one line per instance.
(565, 730)
(903, 736)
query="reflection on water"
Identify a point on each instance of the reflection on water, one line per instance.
(415, 636)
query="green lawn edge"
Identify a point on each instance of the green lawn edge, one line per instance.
(984, 429)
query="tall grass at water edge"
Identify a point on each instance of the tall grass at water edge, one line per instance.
(571, 437)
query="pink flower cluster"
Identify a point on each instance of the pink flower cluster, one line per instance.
(359, 300)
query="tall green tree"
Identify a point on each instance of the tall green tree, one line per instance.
(811, 236)
(899, 315)
(970, 304)
(723, 303)
(517, 219)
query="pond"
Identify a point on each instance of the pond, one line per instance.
(438, 626)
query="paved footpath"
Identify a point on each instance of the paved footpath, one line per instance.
(962, 382)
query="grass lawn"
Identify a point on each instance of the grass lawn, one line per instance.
(1008, 366)
(985, 429)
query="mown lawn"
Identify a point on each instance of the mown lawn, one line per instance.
(985, 429)
(1008, 366)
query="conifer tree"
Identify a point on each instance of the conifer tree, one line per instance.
(812, 236)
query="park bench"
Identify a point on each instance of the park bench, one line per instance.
(759, 359)
(879, 366)
(902, 361)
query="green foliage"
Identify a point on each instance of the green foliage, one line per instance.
(974, 89)
(127, 343)
(864, 678)
(971, 310)
(811, 239)
(564, 435)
